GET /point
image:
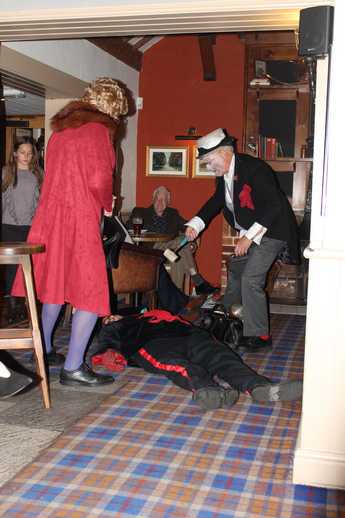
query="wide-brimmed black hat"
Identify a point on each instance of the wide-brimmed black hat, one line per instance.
(213, 140)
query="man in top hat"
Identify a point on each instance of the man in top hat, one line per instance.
(248, 194)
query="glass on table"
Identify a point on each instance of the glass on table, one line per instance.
(137, 226)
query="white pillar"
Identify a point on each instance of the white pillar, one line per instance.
(320, 454)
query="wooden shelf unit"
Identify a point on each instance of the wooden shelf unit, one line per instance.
(290, 285)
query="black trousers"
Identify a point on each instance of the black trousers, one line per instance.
(12, 233)
(191, 362)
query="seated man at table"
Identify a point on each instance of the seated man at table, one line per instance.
(162, 219)
(162, 343)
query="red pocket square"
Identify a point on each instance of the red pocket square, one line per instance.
(245, 197)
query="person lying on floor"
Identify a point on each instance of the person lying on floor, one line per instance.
(190, 357)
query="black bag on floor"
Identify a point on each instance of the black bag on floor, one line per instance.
(222, 326)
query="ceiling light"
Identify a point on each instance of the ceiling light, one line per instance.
(13, 93)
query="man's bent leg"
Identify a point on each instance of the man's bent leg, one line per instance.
(232, 293)
(187, 258)
(253, 280)
(177, 269)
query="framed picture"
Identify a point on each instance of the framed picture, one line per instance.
(23, 132)
(166, 161)
(200, 170)
(260, 68)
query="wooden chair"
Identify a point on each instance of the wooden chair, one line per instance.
(30, 337)
(187, 283)
(137, 272)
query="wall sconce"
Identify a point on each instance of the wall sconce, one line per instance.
(190, 134)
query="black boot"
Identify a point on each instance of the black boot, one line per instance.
(84, 376)
(13, 384)
(272, 392)
(213, 397)
(205, 288)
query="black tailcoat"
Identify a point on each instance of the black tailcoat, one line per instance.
(265, 204)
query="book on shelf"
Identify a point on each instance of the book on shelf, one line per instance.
(269, 148)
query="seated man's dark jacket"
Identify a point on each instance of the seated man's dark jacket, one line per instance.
(174, 221)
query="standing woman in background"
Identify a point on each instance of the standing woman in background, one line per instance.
(77, 187)
(21, 182)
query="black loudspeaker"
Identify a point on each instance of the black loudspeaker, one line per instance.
(315, 30)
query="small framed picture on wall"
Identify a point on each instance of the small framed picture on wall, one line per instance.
(200, 170)
(166, 161)
(23, 132)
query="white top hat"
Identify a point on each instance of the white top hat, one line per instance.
(211, 141)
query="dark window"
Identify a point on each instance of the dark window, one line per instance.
(278, 119)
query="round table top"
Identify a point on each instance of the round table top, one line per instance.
(20, 248)
(151, 237)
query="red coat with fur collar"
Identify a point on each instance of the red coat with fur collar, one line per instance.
(77, 185)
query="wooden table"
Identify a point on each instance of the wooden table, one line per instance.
(151, 238)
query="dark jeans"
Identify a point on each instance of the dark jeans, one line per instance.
(12, 233)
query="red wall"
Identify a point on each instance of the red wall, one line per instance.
(175, 97)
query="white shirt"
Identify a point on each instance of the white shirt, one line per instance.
(254, 233)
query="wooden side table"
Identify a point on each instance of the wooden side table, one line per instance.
(27, 338)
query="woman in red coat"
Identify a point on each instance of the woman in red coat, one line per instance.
(80, 162)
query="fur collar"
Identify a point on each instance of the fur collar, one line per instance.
(77, 113)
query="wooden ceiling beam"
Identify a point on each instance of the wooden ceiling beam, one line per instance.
(142, 42)
(206, 42)
(120, 50)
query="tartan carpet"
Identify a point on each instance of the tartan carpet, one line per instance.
(148, 451)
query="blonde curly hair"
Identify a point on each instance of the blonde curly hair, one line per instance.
(107, 96)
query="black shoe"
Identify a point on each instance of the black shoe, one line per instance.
(84, 376)
(211, 398)
(194, 302)
(54, 358)
(253, 343)
(284, 391)
(14, 384)
(205, 288)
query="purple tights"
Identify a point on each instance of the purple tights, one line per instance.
(83, 323)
